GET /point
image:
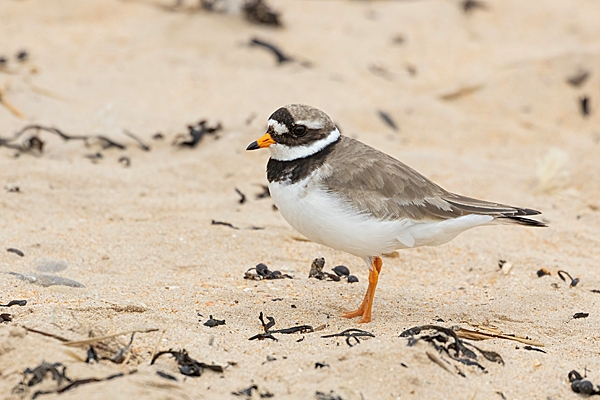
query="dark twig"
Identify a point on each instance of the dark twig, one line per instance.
(223, 223)
(533, 349)
(281, 58)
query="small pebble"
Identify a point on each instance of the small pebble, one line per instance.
(352, 279)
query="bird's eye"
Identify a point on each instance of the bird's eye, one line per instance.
(299, 130)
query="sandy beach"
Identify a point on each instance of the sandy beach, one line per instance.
(498, 102)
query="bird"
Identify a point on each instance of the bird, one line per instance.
(344, 194)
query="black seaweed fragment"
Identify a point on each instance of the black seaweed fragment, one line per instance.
(574, 281)
(79, 382)
(126, 161)
(15, 303)
(533, 349)
(387, 119)
(261, 271)
(581, 315)
(166, 376)
(327, 396)
(27, 146)
(242, 199)
(264, 194)
(57, 371)
(187, 365)
(584, 105)
(281, 58)
(211, 322)
(197, 133)
(224, 224)
(578, 78)
(268, 333)
(92, 356)
(472, 5)
(22, 56)
(32, 377)
(250, 390)
(580, 385)
(351, 333)
(5, 317)
(456, 350)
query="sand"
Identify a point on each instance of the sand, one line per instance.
(483, 108)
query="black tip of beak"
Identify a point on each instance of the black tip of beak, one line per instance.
(253, 146)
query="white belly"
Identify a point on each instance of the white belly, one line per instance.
(327, 219)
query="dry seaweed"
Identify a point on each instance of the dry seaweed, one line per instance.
(456, 348)
(252, 392)
(580, 385)
(268, 333)
(15, 303)
(211, 322)
(574, 281)
(352, 333)
(187, 365)
(261, 271)
(27, 146)
(197, 133)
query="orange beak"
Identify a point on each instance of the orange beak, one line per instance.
(265, 141)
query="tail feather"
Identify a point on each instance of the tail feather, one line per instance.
(521, 221)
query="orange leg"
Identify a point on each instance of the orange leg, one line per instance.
(364, 310)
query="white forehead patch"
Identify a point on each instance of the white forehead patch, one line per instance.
(279, 128)
(282, 152)
(312, 124)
